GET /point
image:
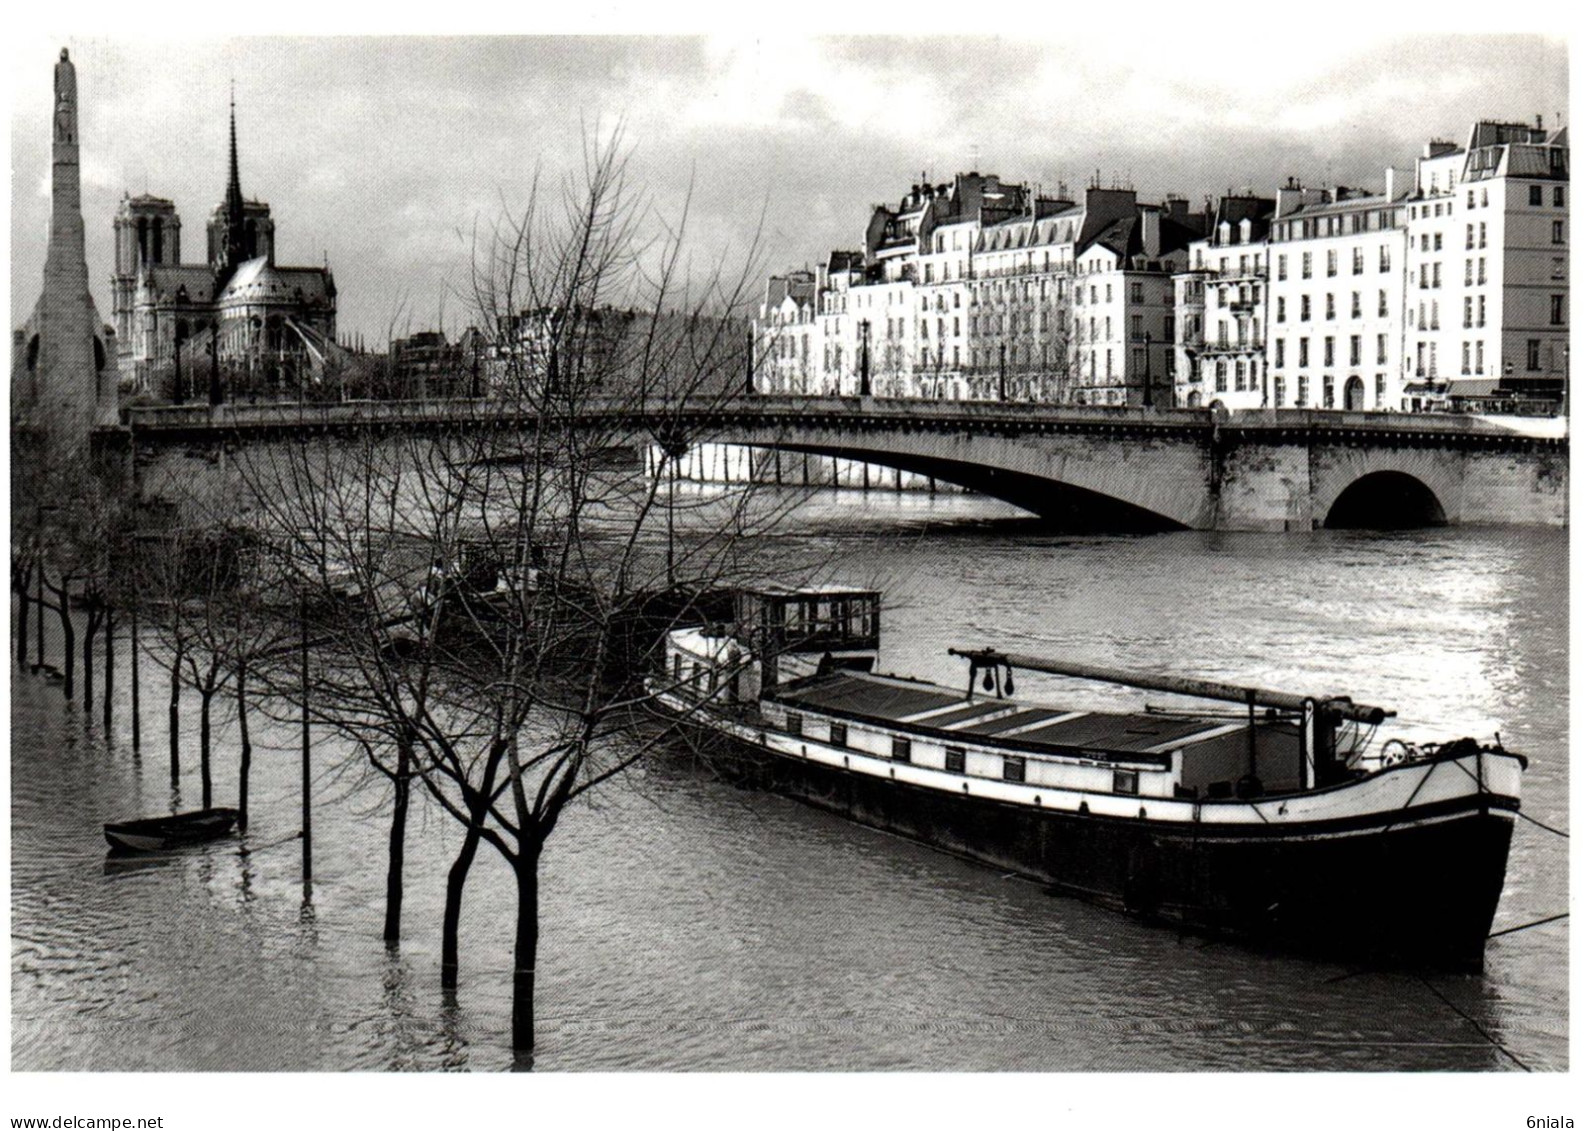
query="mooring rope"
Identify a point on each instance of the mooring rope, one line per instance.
(1527, 926)
(1476, 1025)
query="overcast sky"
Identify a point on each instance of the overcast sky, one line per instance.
(380, 153)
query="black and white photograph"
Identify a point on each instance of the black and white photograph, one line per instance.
(790, 558)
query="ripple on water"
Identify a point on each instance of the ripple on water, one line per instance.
(691, 925)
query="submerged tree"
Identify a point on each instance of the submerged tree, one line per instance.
(487, 596)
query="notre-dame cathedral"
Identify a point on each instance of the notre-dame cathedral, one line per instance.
(236, 326)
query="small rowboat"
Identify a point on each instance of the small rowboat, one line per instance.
(151, 834)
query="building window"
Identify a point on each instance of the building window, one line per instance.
(839, 734)
(1354, 349)
(1331, 262)
(1557, 196)
(1221, 375)
(954, 760)
(1302, 398)
(1281, 390)
(902, 749)
(1535, 196)
(1327, 399)
(1238, 375)
(1436, 244)
(1304, 353)
(1469, 231)
(1281, 342)
(1354, 306)
(795, 723)
(1282, 267)
(1012, 768)
(1125, 781)
(1381, 349)
(1532, 354)
(1386, 258)
(1331, 306)
(1381, 304)
(1304, 308)
(1483, 233)
(1557, 231)
(1304, 266)
(1466, 359)
(1480, 357)
(1327, 352)
(1557, 310)
(1359, 261)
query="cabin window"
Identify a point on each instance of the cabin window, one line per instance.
(1012, 769)
(839, 734)
(1125, 781)
(902, 750)
(954, 760)
(676, 666)
(795, 723)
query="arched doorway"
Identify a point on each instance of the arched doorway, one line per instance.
(1354, 395)
(1194, 398)
(1386, 500)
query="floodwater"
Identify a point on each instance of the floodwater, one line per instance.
(689, 924)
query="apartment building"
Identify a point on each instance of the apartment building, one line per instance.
(1336, 298)
(967, 291)
(1221, 307)
(1487, 267)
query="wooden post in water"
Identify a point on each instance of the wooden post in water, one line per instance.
(88, 663)
(137, 711)
(308, 840)
(22, 623)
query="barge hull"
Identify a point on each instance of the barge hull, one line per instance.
(1414, 888)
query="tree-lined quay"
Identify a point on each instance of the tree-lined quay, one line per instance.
(472, 610)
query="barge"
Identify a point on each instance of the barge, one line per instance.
(1278, 819)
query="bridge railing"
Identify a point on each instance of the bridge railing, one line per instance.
(766, 409)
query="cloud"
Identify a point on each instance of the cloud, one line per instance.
(378, 151)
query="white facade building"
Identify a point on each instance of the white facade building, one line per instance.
(1337, 300)
(1487, 266)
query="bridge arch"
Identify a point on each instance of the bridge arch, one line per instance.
(1079, 504)
(1385, 500)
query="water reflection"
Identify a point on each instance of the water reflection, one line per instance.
(690, 923)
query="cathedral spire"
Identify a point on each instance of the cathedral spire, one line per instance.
(236, 249)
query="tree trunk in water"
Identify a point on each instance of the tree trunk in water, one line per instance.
(110, 672)
(393, 871)
(175, 719)
(456, 880)
(69, 637)
(39, 622)
(247, 744)
(137, 704)
(205, 699)
(88, 663)
(22, 618)
(525, 950)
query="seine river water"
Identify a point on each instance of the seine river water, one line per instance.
(692, 925)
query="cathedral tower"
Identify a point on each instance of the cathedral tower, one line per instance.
(65, 377)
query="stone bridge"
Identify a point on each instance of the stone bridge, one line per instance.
(1093, 467)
